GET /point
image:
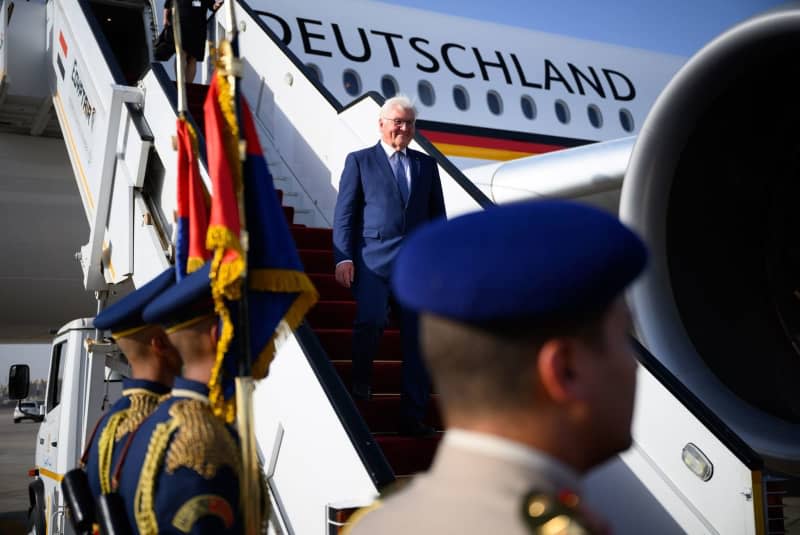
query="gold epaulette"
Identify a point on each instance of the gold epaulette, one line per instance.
(143, 403)
(201, 443)
(547, 514)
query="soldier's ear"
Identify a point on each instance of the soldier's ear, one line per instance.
(214, 333)
(158, 342)
(555, 367)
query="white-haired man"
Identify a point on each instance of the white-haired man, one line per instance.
(385, 192)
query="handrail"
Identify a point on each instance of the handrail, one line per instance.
(254, 13)
(141, 126)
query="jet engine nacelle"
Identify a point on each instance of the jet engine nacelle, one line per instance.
(713, 185)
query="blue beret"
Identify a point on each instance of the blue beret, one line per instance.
(126, 314)
(534, 260)
(188, 299)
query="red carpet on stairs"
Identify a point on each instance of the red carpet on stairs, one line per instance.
(332, 321)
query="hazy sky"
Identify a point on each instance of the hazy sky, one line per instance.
(36, 356)
(678, 27)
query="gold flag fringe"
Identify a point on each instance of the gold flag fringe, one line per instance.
(286, 281)
(225, 278)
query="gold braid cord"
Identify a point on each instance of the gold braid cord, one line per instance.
(202, 443)
(144, 500)
(143, 403)
(358, 515)
(105, 449)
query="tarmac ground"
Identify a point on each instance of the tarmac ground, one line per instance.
(17, 452)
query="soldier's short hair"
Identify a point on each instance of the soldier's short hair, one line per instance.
(478, 369)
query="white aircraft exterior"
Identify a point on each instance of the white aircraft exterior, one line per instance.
(485, 92)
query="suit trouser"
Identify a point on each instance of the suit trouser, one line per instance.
(373, 299)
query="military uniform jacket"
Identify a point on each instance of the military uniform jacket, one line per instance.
(139, 399)
(476, 485)
(181, 473)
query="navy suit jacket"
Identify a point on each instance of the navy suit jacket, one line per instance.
(370, 220)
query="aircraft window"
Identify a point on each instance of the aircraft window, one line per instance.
(562, 111)
(495, 102)
(626, 120)
(528, 107)
(461, 98)
(595, 115)
(388, 86)
(426, 93)
(352, 84)
(314, 72)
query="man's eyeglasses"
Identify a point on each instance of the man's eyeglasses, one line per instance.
(400, 122)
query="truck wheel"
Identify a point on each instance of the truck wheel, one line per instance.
(36, 522)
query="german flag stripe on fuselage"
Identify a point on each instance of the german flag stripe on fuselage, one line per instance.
(491, 144)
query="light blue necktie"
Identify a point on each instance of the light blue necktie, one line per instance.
(400, 175)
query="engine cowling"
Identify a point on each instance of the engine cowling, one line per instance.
(713, 185)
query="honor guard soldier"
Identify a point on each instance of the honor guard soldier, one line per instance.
(525, 333)
(154, 364)
(181, 470)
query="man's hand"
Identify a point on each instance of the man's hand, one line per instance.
(345, 273)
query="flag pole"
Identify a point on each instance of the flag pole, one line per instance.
(249, 486)
(180, 64)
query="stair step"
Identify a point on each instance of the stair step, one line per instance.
(338, 344)
(292, 198)
(386, 377)
(332, 315)
(337, 315)
(195, 97)
(382, 413)
(313, 238)
(317, 260)
(196, 93)
(328, 288)
(408, 455)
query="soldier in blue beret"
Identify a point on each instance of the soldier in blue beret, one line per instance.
(154, 364)
(181, 471)
(525, 332)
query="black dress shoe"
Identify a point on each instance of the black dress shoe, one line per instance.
(362, 392)
(415, 428)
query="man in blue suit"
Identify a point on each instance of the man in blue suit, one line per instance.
(385, 192)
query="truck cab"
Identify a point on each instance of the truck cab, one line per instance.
(83, 381)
